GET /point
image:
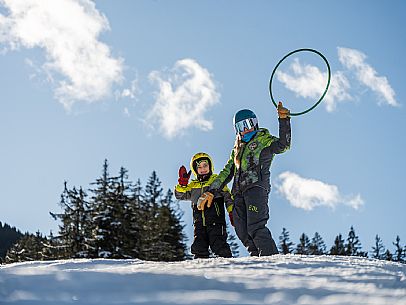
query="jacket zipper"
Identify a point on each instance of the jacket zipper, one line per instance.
(203, 218)
(239, 170)
(217, 209)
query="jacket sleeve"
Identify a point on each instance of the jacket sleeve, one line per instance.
(224, 176)
(183, 192)
(228, 199)
(282, 143)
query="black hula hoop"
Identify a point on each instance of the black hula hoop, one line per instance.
(325, 91)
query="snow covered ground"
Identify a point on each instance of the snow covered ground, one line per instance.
(280, 279)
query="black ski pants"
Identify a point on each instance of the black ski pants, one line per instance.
(251, 213)
(210, 231)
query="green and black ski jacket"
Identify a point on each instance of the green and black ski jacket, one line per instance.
(256, 159)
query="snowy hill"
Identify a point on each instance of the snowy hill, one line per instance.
(280, 279)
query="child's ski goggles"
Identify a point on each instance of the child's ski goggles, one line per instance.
(246, 124)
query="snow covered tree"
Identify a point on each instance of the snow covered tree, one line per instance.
(353, 245)
(53, 248)
(124, 233)
(153, 191)
(404, 255)
(172, 238)
(150, 226)
(17, 252)
(398, 257)
(29, 248)
(161, 235)
(317, 245)
(378, 250)
(106, 211)
(119, 220)
(303, 247)
(132, 216)
(285, 245)
(338, 248)
(74, 223)
(388, 255)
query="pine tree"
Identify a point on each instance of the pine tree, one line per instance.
(388, 255)
(161, 230)
(161, 235)
(399, 251)
(150, 247)
(153, 191)
(36, 249)
(353, 245)
(75, 221)
(317, 245)
(303, 247)
(172, 239)
(8, 237)
(122, 234)
(52, 248)
(104, 212)
(130, 197)
(378, 250)
(404, 255)
(119, 220)
(285, 245)
(338, 248)
(29, 248)
(17, 252)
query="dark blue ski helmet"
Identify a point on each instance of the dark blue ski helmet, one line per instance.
(245, 119)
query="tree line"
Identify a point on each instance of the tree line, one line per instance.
(349, 247)
(116, 218)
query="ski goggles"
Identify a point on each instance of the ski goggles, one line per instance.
(246, 124)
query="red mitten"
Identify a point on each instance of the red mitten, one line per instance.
(184, 176)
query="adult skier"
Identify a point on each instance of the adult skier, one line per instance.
(249, 165)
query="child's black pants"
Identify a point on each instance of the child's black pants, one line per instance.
(210, 231)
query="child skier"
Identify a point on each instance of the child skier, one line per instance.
(249, 165)
(209, 224)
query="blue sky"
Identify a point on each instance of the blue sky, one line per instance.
(146, 84)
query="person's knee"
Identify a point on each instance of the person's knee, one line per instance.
(254, 229)
(241, 230)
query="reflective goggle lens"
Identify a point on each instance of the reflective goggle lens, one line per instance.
(245, 125)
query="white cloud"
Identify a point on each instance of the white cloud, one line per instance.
(355, 60)
(185, 93)
(126, 112)
(67, 30)
(132, 92)
(309, 82)
(310, 193)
